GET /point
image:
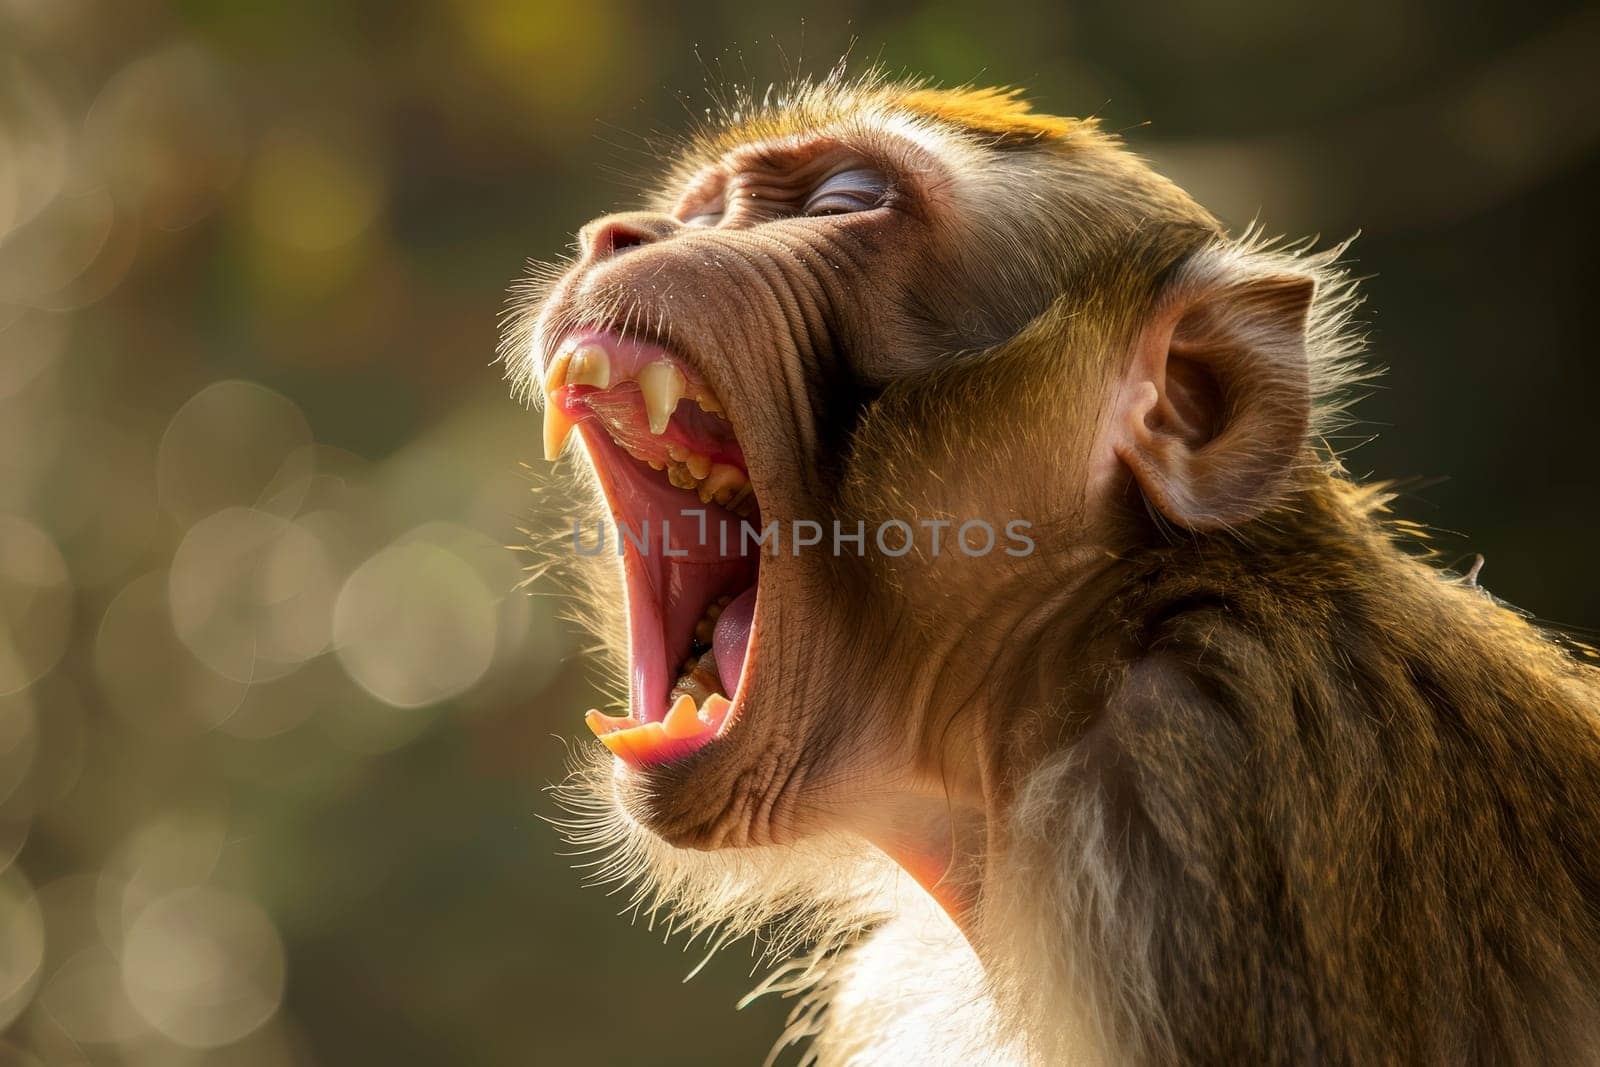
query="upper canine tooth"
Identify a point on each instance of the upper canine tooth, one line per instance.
(557, 425)
(662, 385)
(589, 365)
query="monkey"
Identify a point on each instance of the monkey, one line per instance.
(1212, 763)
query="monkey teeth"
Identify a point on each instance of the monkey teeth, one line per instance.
(662, 385)
(696, 712)
(628, 394)
(557, 428)
(721, 483)
(587, 364)
(708, 622)
(684, 729)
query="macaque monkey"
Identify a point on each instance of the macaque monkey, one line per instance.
(1197, 763)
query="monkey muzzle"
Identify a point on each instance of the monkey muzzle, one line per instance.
(676, 482)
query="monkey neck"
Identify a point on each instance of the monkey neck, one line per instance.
(958, 709)
(1397, 651)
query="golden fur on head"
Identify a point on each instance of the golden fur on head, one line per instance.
(1002, 112)
(840, 101)
(1267, 788)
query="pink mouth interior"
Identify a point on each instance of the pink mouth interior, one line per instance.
(668, 593)
(731, 640)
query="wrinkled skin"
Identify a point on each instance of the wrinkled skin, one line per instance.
(1217, 772)
(803, 324)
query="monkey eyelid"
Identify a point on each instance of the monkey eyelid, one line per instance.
(833, 181)
(847, 189)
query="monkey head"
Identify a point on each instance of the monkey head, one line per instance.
(867, 394)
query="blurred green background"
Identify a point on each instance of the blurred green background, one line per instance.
(274, 724)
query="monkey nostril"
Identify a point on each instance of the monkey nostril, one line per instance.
(613, 238)
(611, 235)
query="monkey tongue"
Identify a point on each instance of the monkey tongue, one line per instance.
(731, 638)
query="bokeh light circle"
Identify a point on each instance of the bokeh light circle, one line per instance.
(86, 999)
(252, 594)
(164, 131)
(55, 248)
(173, 851)
(35, 603)
(203, 967)
(19, 741)
(314, 191)
(226, 447)
(35, 144)
(21, 945)
(415, 625)
(146, 672)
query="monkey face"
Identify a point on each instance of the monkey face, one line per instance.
(713, 357)
(746, 370)
(889, 305)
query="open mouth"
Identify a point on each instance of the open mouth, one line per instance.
(676, 480)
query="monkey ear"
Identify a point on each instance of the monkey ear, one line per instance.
(1213, 414)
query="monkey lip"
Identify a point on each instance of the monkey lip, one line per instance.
(674, 477)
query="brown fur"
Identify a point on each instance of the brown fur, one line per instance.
(1225, 771)
(1353, 800)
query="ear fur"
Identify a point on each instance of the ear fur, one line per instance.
(1215, 409)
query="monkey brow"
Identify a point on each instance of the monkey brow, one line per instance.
(1002, 115)
(792, 156)
(795, 161)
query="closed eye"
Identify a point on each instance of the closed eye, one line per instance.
(846, 191)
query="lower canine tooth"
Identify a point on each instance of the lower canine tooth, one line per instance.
(601, 723)
(681, 720)
(662, 385)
